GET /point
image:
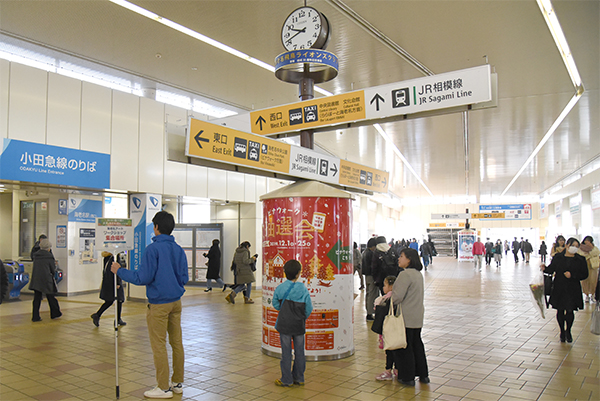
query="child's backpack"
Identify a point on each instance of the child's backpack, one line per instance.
(390, 263)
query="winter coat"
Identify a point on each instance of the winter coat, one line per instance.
(107, 290)
(242, 260)
(214, 263)
(566, 292)
(527, 248)
(42, 276)
(367, 259)
(516, 245)
(591, 257)
(408, 291)
(543, 249)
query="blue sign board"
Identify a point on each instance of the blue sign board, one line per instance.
(511, 212)
(62, 206)
(84, 210)
(37, 162)
(315, 56)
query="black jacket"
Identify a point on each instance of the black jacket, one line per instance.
(566, 292)
(42, 276)
(367, 258)
(107, 290)
(214, 262)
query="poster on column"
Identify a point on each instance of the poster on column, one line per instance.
(87, 246)
(142, 209)
(466, 239)
(316, 231)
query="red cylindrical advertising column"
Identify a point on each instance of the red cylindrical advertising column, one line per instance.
(312, 223)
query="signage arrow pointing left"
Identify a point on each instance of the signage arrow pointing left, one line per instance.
(376, 99)
(198, 139)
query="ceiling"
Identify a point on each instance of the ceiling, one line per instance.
(512, 36)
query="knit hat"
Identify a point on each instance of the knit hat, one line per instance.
(381, 240)
(371, 242)
(45, 244)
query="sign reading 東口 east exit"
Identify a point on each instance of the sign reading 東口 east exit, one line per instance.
(451, 89)
(214, 142)
(37, 162)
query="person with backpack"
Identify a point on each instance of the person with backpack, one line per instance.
(426, 253)
(385, 262)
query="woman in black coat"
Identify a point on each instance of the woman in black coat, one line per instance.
(43, 282)
(214, 266)
(569, 269)
(107, 291)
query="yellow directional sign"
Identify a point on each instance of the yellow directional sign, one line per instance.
(359, 176)
(210, 141)
(309, 113)
(487, 215)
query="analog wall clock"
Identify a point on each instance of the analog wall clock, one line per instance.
(305, 28)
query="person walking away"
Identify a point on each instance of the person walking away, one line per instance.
(36, 245)
(527, 248)
(164, 272)
(489, 252)
(516, 245)
(591, 254)
(382, 308)
(497, 250)
(432, 249)
(385, 263)
(543, 252)
(478, 252)
(292, 300)
(357, 262)
(214, 266)
(521, 247)
(506, 247)
(371, 288)
(569, 268)
(43, 282)
(244, 273)
(558, 246)
(408, 292)
(107, 291)
(425, 254)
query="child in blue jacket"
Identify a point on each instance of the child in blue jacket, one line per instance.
(292, 300)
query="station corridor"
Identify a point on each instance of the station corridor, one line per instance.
(484, 341)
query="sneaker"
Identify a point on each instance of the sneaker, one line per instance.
(248, 300)
(96, 319)
(157, 392)
(177, 388)
(385, 375)
(279, 383)
(231, 297)
(298, 383)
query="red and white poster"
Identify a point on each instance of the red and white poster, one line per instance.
(317, 232)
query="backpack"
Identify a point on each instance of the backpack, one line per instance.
(389, 263)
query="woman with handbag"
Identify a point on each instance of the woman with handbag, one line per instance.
(243, 273)
(408, 292)
(569, 269)
(591, 255)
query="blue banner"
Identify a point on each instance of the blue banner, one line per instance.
(84, 210)
(37, 162)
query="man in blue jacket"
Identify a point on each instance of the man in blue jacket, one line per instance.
(164, 272)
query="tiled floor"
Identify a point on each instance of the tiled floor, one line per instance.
(483, 338)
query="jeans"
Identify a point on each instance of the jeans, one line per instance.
(247, 287)
(210, 280)
(425, 260)
(163, 319)
(290, 375)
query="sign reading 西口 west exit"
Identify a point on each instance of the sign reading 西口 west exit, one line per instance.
(222, 144)
(441, 91)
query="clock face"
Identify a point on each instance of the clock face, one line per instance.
(304, 28)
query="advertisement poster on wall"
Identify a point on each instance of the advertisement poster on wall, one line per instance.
(316, 232)
(87, 246)
(466, 239)
(61, 236)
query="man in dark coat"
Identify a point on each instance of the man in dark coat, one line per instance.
(372, 291)
(489, 253)
(43, 282)
(516, 245)
(214, 266)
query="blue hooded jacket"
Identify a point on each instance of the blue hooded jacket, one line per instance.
(164, 271)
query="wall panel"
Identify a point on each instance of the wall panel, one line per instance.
(152, 146)
(4, 91)
(250, 188)
(235, 186)
(64, 111)
(124, 142)
(96, 109)
(175, 178)
(27, 103)
(197, 181)
(217, 188)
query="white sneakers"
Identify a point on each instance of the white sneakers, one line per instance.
(157, 392)
(177, 388)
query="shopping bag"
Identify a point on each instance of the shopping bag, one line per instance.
(537, 293)
(595, 324)
(394, 331)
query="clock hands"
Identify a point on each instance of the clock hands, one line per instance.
(298, 32)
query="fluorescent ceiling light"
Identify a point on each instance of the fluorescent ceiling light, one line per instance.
(205, 39)
(213, 111)
(391, 144)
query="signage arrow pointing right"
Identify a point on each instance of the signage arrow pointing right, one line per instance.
(198, 139)
(384, 181)
(334, 169)
(376, 99)
(260, 121)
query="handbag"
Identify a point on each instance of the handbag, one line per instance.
(595, 323)
(394, 331)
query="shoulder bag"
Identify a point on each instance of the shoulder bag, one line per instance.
(394, 331)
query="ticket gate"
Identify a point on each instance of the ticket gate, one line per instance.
(17, 279)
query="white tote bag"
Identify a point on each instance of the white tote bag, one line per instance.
(394, 331)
